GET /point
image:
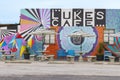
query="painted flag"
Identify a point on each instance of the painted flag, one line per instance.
(22, 50)
(18, 35)
(30, 42)
(7, 39)
(13, 49)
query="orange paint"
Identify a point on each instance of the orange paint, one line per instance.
(22, 21)
(100, 38)
(53, 48)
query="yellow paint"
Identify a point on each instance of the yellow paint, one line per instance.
(22, 50)
(30, 43)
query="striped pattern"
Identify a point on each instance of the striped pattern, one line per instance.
(25, 34)
(32, 20)
(35, 16)
(7, 32)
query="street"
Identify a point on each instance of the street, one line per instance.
(60, 77)
(60, 71)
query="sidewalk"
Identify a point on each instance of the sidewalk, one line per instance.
(43, 68)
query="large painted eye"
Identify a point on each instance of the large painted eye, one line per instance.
(75, 42)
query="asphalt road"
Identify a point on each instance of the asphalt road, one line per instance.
(60, 77)
(90, 70)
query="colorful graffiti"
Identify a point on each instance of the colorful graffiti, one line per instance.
(67, 21)
(33, 19)
(93, 21)
(6, 31)
(113, 22)
(14, 44)
(67, 43)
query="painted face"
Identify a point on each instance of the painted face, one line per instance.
(75, 42)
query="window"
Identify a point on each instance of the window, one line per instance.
(50, 38)
(47, 38)
(107, 36)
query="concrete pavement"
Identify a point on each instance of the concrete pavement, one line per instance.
(43, 68)
(59, 77)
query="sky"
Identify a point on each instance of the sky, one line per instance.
(10, 9)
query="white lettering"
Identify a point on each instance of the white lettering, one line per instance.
(55, 22)
(100, 15)
(53, 16)
(76, 15)
(77, 22)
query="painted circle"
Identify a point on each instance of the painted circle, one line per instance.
(77, 40)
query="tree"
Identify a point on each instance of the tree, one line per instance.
(100, 49)
(26, 53)
(100, 53)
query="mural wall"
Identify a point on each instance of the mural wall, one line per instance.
(7, 32)
(67, 21)
(113, 22)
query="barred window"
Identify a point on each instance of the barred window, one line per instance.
(107, 36)
(50, 38)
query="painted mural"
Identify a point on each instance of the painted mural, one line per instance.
(113, 22)
(67, 21)
(64, 22)
(75, 43)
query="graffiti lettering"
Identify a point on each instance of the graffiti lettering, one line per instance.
(77, 17)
